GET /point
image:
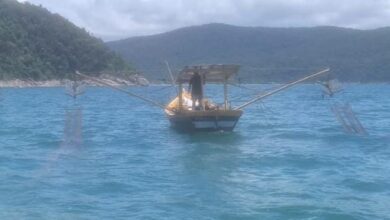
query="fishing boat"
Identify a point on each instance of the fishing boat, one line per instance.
(208, 115)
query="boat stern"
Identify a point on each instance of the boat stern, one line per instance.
(203, 120)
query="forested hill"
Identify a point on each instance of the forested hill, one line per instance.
(36, 44)
(266, 54)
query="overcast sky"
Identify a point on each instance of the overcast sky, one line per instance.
(116, 19)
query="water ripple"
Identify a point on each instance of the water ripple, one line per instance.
(287, 159)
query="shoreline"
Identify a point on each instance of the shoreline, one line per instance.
(18, 83)
(115, 81)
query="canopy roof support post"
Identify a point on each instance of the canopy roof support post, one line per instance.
(180, 96)
(225, 93)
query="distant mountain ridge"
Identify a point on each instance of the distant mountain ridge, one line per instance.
(36, 44)
(266, 54)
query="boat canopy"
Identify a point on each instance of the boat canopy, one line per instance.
(216, 73)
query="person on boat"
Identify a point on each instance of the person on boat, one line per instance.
(196, 88)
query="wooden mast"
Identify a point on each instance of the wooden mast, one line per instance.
(225, 93)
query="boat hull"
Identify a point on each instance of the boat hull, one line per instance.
(193, 121)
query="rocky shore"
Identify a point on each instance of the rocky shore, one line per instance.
(136, 80)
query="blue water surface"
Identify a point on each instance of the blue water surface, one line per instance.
(288, 158)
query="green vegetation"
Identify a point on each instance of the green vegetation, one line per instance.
(37, 44)
(266, 54)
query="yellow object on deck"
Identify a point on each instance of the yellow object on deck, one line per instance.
(174, 104)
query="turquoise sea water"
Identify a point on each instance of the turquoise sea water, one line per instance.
(287, 159)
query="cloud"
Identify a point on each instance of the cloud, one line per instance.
(114, 19)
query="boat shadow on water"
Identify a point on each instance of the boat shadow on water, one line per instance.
(216, 137)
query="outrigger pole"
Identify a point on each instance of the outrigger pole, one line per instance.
(280, 89)
(121, 90)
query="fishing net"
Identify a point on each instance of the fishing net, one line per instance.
(74, 88)
(342, 110)
(331, 87)
(72, 139)
(73, 128)
(348, 119)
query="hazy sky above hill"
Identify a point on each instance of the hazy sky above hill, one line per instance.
(115, 19)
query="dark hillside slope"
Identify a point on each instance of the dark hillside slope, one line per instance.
(37, 44)
(266, 54)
